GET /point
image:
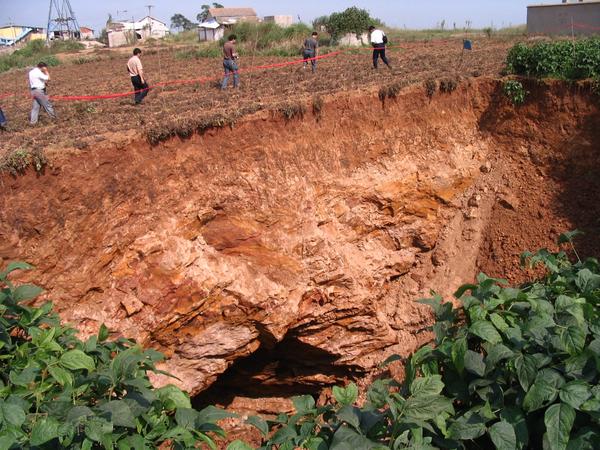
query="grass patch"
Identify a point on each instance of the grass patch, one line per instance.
(18, 161)
(430, 87)
(36, 51)
(292, 111)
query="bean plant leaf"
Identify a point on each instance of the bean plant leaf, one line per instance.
(173, 397)
(259, 423)
(427, 386)
(459, 349)
(76, 359)
(503, 436)
(540, 393)
(120, 413)
(474, 363)
(347, 395)
(239, 445)
(44, 430)
(12, 414)
(26, 292)
(526, 370)
(567, 237)
(486, 331)
(575, 393)
(559, 421)
(304, 404)
(62, 376)
(468, 427)
(573, 339)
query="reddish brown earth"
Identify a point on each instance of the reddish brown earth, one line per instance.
(280, 257)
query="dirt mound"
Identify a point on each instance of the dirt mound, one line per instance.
(287, 254)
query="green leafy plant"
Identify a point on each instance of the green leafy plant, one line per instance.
(57, 391)
(512, 368)
(514, 91)
(571, 60)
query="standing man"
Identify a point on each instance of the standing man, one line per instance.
(311, 50)
(229, 62)
(378, 41)
(38, 77)
(138, 79)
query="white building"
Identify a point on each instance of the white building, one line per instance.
(122, 33)
(219, 19)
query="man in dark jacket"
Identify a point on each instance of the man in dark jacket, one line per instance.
(311, 50)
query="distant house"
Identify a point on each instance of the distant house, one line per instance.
(86, 33)
(282, 21)
(580, 17)
(219, 19)
(232, 15)
(19, 34)
(127, 33)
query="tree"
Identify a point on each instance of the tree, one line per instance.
(203, 15)
(352, 20)
(182, 22)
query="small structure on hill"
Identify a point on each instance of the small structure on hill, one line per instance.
(20, 34)
(219, 19)
(581, 18)
(86, 33)
(354, 40)
(128, 33)
(282, 21)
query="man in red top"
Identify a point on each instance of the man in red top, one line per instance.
(138, 79)
(229, 62)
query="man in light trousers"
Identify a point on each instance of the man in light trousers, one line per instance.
(38, 77)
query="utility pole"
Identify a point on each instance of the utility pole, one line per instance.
(150, 17)
(62, 20)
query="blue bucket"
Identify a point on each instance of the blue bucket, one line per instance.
(467, 44)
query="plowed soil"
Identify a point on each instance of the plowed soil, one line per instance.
(84, 123)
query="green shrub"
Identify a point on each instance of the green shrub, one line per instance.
(515, 91)
(57, 391)
(37, 51)
(512, 368)
(560, 59)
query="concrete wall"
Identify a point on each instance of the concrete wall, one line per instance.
(350, 39)
(282, 21)
(556, 19)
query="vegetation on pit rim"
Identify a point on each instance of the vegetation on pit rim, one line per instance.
(36, 51)
(565, 59)
(513, 368)
(514, 91)
(18, 161)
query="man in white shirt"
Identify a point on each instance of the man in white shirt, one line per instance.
(38, 77)
(378, 41)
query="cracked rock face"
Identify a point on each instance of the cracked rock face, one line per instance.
(317, 233)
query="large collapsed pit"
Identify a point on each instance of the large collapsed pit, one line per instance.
(279, 256)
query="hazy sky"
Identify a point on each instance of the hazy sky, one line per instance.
(400, 13)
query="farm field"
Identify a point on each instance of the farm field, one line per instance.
(82, 124)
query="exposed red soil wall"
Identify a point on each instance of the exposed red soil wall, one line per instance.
(319, 232)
